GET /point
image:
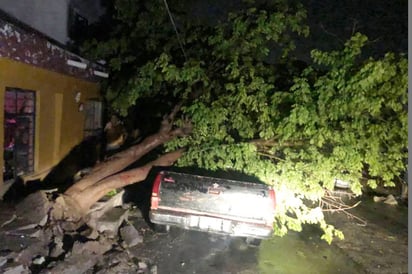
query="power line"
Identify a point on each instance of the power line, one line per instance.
(174, 26)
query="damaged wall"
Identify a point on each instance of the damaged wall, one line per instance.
(32, 48)
(29, 61)
(59, 124)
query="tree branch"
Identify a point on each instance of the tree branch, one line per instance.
(271, 156)
(276, 143)
(332, 203)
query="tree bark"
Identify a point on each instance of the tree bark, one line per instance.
(121, 160)
(91, 194)
(75, 203)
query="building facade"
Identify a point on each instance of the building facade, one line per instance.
(50, 98)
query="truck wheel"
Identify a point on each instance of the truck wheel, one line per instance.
(158, 228)
(252, 241)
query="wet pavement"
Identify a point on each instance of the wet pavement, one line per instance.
(380, 246)
(182, 251)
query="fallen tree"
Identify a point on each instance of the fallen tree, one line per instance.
(74, 204)
(80, 205)
(341, 117)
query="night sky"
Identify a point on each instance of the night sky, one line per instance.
(333, 22)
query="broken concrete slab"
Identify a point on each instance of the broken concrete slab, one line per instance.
(130, 236)
(102, 207)
(26, 256)
(17, 269)
(390, 200)
(29, 247)
(110, 222)
(39, 260)
(79, 263)
(91, 247)
(34, 208)
(90, 233)
(120, 262)
(83, 257)
(56, 247)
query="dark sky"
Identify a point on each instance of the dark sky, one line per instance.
(332, 22)
(384, 22)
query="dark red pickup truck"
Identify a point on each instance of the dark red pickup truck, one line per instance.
(236, 208)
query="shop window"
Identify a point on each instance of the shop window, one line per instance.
(19, 129)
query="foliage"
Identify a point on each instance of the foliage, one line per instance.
(342, 117)
(112, 193)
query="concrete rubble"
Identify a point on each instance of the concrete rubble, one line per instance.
(111, 221)
(130, 236)
(390, 200)
(30, 247)
(18, 269)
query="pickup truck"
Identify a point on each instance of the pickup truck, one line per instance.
(214, 205)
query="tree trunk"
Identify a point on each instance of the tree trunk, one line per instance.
(124, 158)
(120, 161)
(74, 204)
(85, 198)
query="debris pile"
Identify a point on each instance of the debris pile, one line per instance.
(31, 244)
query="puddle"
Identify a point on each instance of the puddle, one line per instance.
(303, 253)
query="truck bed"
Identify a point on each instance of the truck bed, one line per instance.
(215, 205)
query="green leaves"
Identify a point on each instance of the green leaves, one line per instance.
(299, 129)
(354, 112)
(350, 117)
(330, 232)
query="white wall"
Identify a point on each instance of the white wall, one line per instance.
(46, 16)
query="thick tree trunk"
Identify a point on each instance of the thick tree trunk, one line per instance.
(85, 198)
(74, 204)
(121, 160)
(118, 162)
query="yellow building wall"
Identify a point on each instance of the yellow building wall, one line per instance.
(59, 124)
